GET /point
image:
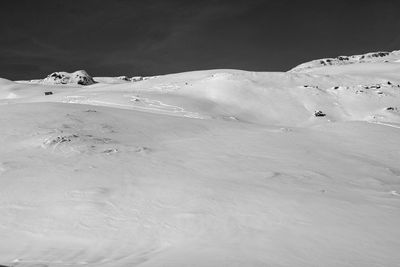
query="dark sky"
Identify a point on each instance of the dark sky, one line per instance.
(147, 37)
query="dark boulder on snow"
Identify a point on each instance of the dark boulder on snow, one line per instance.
(319, 113)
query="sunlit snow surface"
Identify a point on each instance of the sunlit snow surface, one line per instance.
(208, 168)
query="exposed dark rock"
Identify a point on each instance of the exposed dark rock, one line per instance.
(319, 113)
(124, 78)
(343, 58)
(110, 151)
(60, 139)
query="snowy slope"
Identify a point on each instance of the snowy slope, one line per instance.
(375, 57)
(204, 168)
(287, 99)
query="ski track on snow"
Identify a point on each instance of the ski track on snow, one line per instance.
(149, 105)
(384, 124)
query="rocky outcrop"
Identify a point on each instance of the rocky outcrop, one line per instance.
(80, 77)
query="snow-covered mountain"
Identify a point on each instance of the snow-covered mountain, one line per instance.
(204, 168)
(374, 57)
